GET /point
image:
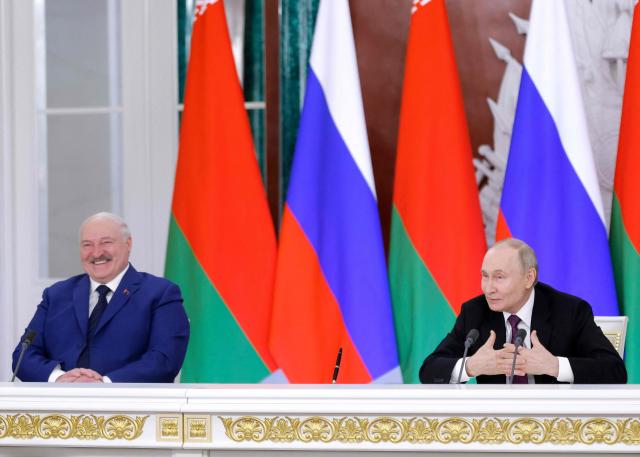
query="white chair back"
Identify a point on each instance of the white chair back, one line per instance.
(615, 329)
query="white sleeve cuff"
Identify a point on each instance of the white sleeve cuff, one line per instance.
(565, 373)
(456, 369)
(106, 379)
(56, 373)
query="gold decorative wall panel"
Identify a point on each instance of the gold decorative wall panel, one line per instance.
(197, 428)
(169, 427)
(422, 430)
(60, 426)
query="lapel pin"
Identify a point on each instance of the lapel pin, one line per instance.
(126, 292)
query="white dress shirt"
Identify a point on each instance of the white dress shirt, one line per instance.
(93, 301)
(565, 373)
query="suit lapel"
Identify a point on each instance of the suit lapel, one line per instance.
(81, 304)
(127, 287)
(496, 323)
(540, 319)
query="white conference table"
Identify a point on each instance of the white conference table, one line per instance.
(278, 420)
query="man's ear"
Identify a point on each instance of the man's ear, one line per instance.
(531, 277)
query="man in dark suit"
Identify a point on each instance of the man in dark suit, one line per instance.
(112, 324)
(563, 343)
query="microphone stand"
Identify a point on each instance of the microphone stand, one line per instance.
(467, 345)
(334, 378)
(472, 336)
(26, 342)
(519, 340)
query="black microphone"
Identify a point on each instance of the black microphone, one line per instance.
(520, 336)
(472, 336)
(337, 368)
(30, 335)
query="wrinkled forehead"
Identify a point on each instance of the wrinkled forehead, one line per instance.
(100, 228)
(504, 258)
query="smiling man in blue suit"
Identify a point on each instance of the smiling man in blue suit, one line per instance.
(112, 324)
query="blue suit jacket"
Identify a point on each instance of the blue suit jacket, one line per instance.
(142, 335)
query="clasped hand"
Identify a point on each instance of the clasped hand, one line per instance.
(80, 375)
(489, 361)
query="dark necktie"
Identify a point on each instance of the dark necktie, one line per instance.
(84, 359)
(514, 321)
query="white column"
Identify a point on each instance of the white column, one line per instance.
(150, 126)
(6, 197)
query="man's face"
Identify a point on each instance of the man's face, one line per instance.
(504, 283)
(104, 251)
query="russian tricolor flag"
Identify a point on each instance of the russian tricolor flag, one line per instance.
(551, 197)
(331, 284)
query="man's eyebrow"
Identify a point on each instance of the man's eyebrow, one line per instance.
(100, 239)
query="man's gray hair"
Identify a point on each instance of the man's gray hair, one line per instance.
(124, 228)
(526, 254)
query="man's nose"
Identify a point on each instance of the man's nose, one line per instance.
(489, 286)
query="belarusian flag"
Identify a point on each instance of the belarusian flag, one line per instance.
(625, 211)
(437, 239)
(222, 247)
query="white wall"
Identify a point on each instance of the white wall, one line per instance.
(149, 145)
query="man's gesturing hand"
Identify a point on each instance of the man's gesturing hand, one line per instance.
(486, 360)
(538, 360)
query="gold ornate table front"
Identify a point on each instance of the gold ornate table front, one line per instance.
(184, 420)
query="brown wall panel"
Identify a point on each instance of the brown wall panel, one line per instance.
(472, 23)
(381, 29)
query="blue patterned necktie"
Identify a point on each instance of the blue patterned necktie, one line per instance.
(84, 359)
(514, 321)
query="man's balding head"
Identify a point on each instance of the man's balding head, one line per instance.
(509, 272)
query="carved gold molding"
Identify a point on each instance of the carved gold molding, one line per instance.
(60, 426)
(169, 427)
(421, 430)
(197, 428)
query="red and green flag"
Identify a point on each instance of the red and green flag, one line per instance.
(625, 211)
(437, 237)
(222, 246)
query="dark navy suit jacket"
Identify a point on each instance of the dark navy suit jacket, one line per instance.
(565, 327)
(142, 335)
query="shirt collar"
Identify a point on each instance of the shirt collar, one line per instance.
(113, 284)
(526, 311)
